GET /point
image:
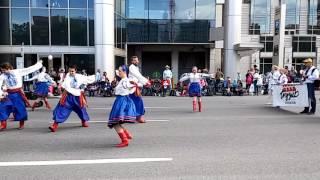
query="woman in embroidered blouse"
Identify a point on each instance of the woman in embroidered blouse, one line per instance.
(123, 109)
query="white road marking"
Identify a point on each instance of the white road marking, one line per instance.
(107, 108)
(106, 121)
(79, 162)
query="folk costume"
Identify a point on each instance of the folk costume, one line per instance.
(13, 82)
(72, 99)
(43, 81)
(5, 105)
(195, 87)
(135, 94)
(123, 110)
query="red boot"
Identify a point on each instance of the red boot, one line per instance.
(124, 140)
(54, 127)
(3, 125)
(194, 103)
(84, 124)
(200, 106)
(34, 106)
(129, 136)
(47, 104)
(21, 125)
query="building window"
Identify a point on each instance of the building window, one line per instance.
(120, 24)
(170, 21)
(265, 65)
(292, 17)
(78, 27)
(297, 63)
(304, 44)
(314, 17)
(267, 41)
(4, 27)
(260, 17)
(59, 27)
(20, 26)
(40, 26)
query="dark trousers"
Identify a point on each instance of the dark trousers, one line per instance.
(312, 98)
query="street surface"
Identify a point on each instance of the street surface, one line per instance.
(234, 138)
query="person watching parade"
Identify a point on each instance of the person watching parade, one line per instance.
(310, 74)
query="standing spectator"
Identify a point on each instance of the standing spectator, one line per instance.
(310, 74)
(219, 75)
(257, 82)
(249, 78)
(167, 75)
(283, 79)
(61, 79)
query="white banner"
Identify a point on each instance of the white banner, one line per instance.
(294, 95)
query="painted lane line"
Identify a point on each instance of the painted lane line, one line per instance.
(79, 162)
(106, 108)
(107, 121)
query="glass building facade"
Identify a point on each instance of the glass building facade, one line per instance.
(170, 21)
(47, 22)
(260, 17)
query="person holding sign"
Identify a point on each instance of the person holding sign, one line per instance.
(310, 74)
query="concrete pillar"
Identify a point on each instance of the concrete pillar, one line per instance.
(104, 36)
(233, 9)
(212, 54)
(175, 65)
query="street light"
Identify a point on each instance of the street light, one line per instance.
(50, 57)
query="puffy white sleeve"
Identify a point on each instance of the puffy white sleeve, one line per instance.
(33, 78)
(49, 79)
(185, 77)
(31, 69)
(67, 86)
(89, 79)
(206, 75)
(135, 72)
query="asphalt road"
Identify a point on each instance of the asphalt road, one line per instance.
(234, 138)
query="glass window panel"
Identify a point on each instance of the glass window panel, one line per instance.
(4, 3)
(260, 16)
(292, 14)
(91, 27)
(83, 61)
(137, 9)
(4, 27)
(123, 8)
(20, 3)
(118, 6)
(184, 9)
(90, 4)
(59, 27)
(269, 46)
(205, 9)
(160, 9)
(159, 30)
(40, 26)
(305, 47)
(39, 3)
(184, 31)
(78, 3)
(138, 30)
(78, 27)
(118, 31)
(201, 31)
(20, 26)
(59, 3)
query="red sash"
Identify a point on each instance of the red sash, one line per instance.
(19, 91)
(82, 99)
